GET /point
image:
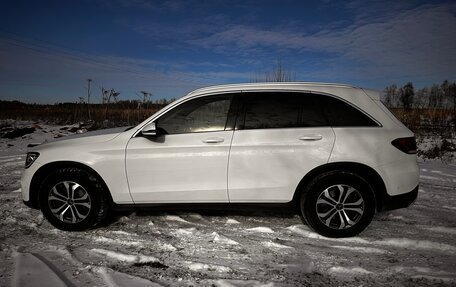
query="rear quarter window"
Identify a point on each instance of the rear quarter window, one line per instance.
(342, 114)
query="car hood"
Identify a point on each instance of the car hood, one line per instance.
(84, 138)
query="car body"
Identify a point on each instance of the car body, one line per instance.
(241, 143)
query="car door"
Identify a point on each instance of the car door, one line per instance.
(279, 137)
(187, 161)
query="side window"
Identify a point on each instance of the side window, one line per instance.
(271, 110)
(282, 110)
(341, 114)
(206, 114)
(312, 114)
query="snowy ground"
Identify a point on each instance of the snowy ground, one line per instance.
(407, 247)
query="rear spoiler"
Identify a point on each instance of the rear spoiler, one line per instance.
(373, 94)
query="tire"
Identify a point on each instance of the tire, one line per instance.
(338, 204)
(72, 199)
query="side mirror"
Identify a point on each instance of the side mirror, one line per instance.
(149, 130)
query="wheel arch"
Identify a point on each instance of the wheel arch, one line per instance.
(43, 172)
(368, 173)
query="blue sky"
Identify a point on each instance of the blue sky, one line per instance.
(49, 48)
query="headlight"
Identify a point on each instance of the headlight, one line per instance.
(31, 157)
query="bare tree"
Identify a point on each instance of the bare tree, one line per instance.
(279, 73)
(107, 95)
(145, 98)
(407, 92)
(88, 97)
(390, 94)
(452, 97)
(421, 98)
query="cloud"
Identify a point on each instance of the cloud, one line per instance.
(37, 72)
(417, 42)
(172, 5)
(376, 46)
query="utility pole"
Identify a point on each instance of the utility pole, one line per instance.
(88, 97)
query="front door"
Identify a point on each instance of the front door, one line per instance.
(187, 161)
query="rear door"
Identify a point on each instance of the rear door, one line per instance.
(279, 137)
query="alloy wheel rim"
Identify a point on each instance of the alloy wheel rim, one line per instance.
(69, 202)
(340, 206)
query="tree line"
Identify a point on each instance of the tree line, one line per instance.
(431, 107)
(437, 96)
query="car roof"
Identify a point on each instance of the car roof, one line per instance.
(306, 86)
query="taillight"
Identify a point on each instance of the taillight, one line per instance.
(407, 145)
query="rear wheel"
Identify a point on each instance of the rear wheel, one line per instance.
(72, 199)
(338, 204)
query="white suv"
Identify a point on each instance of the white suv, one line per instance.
(333, 151)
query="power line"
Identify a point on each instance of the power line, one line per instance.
(43, 46)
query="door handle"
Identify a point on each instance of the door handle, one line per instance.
(311, 138)
(213, 140)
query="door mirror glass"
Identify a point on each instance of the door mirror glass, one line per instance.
(149, 130)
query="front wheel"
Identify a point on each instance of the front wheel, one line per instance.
(71, 199)
(338, 204)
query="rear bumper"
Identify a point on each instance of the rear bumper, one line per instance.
(399, 201)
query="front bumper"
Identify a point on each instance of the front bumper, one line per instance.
(399, 201)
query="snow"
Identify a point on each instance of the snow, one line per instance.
(436, 178)
(261, 229)
(449, 207)
(8, 158)
(435, 278)
(195, 216)
(348, 271)
(128, 241)
(167, 247)
(118, 279)
(442, 173)
(361, 249)
(417, 244)
(30, 270)
(120, 232)
(241, 283)
(176, 218)
(217, 238)
(194, 266)
(125, 257)
(124, 219)
(417, 269)
(305, 231)
(398, 217)
(417, 272)
(185, 231)
(274, 245)
(10, 220)
(412, 246)
(232, 221)
(107, 240)
(441, 229)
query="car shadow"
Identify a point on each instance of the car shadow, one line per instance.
(217, 210)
